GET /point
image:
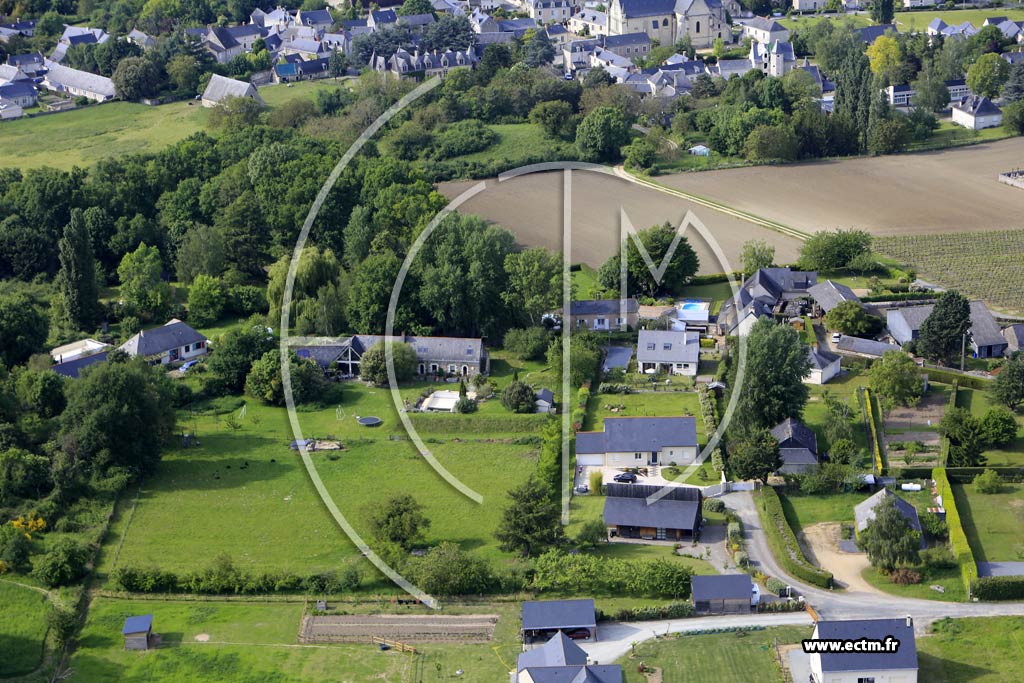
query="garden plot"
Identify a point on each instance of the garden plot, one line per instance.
(360, 628)
(911, 435)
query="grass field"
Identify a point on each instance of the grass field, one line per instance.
(257, 642)
(844, 387)
(973, 651)
(950, 580)
(520, 142)
(803, 510)
(993, 521)
(918, 21)
(83, 136)
(244, 493)
(949, 134)
(746, 657)
(981, 265)
(797, 21)
(22, 629)
(647, 404)
(1010, 455)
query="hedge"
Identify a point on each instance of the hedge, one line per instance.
(899, 296)
(957, 538)
(949, 376)
(875, 447)
(713, 279)
(998, 588)
(954, 387)
(673, 610)
(783, 541)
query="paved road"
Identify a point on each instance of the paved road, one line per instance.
(853, 604)
(617, 638)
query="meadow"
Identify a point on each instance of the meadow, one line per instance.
(918, 21)
(982, 266)
(972, 651)
(992, 521)
(83, 136)
(22, 628)
(979, 402)
(245, 494)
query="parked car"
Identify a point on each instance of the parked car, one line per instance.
(836, 337)
(578, 633)
(582, 488)
(188, 366)
(625, 478)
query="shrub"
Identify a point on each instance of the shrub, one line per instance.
(462, 137)
(905, 577)
(776, 586)
(245, 300)
(998, 588)
(935, 526)
(528, 343)
(63, 564)
(742, 560)
(518, 397)
(465, 405)
(988, 481)
(595, 479)
(939, 557)
(735, 532)
(714, 505)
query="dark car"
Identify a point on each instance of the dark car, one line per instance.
(578, 633)
(625, 478)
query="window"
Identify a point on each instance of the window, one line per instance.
(451, 367)
(667, 346)
(638, 456)
(650, 346)
(869, 679)
(664, 22)
(698, 27)
(654, 24)
(433, 367)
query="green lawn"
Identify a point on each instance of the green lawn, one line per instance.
(805, 21)
(804, 510)
(22, 629)
(843, 387)
(246, 494)
(908, 21)
(949, 579)
(993, 522)
(653, 404)
(973, 651)
(745, 657)
(584, 283)
(948, 134)
(519, 142)
(83, 136)
(250, 642)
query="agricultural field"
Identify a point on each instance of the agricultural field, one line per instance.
(993, 521)
(983, 266)
(245, 494)
(82, 137)
(248, 642)
(22, 628)
(531, 208)
(745, 657)
(972, 651)
(903, 189)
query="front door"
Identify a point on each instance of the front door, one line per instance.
(654, 457)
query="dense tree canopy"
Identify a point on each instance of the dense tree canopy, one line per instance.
(941, 337)
(772, 387)
(657, 240)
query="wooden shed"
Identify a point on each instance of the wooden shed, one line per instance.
(138, 632)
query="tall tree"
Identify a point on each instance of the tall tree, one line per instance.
(854, 92)
(531, 523)
(987, 75)
(246, 235)
(896, 379)
(882, 11)
(1008, 388)
(1013, 88)
(23, 329)
(889, 540)
(534, 283)
(682, 265)
(539, 50)
(754, 456)
(76, 281)
(967, 438)
(399, 520)
(931, 91)
(142, 289)
(756, 254)
(772, 387)
(602, 133)
(941, 337)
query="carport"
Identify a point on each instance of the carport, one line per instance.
(544, 618)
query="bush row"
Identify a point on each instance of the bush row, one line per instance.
(781, 606)
(948, 377)
(876, 448)
(954, 387)
(899, 296)
(998, 588)
(674, 610)
(223, 578)
(587, 574)
(783, 541)
(957, 538)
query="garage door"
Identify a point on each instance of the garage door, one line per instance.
(590, 460)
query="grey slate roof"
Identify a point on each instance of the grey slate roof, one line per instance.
(630, 39)
(830, 294)
(428, 349)
(546, 395)
(866, 347)
(864, 511)
(721, 587)
(664, 513)
(603, 673)
(617, 357)
(875, 629)
(765, 24)
(221, 87)
(559, 651)
(869, 34)
(647, 8)
(628, 434)
(667, 346)
(602, 307)
(416, 19)
(821, 358)
(140, 624)
(791, 432)
(984, 329)
(977, 105)
(551, 614)
(1014, 335)
(63, 76)
(73, 368)
(172, 335)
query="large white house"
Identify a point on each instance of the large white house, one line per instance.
(977, 112)
(639, 442)
(669, 20)
(668, 351)
(173, 342)
(898, 666)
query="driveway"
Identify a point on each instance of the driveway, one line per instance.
(615, 639)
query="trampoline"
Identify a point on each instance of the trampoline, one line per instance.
(370, 421)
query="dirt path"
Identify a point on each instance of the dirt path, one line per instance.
(821, 546)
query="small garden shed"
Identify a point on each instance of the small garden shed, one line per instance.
(138, 632)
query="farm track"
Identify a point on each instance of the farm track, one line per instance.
(410, 629)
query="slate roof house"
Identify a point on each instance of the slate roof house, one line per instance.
(545, 618)
(765, 30)
(174, 341)
(639, 442)
(824, 365)
(985, 337)
(977, 112)
(674, 517)
(1014, 335)
(32, 64)
(864, 511)
(668, 351)
(340, 356)
(722, 594)
(759, 296)
(857, 667)
(221, 88)
(74, 367)
(669, 20)
(867, 348)
(560, 659)
(20, 93)
(78, 83)
(604, 314)
(828, 294)
(798, 446)
(426, 64)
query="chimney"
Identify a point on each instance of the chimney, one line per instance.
(910, 621)
(814, 345)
